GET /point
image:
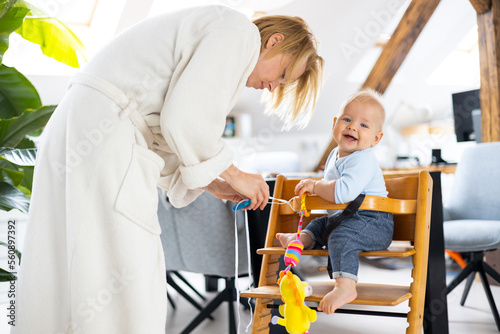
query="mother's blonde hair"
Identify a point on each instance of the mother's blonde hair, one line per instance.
(293, 102)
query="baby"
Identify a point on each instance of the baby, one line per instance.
(351, 169)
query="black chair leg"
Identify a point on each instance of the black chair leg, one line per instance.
(231, 298)
(206, 312)
(177, 288)
(171, 301)
(183, 279)
(492, 272)
(477, 265)
(228, 295)
(468, 285)
(461, 276)
(211, 284)
(489, 295)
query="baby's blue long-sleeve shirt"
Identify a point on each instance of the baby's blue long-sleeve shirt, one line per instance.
(357, 173)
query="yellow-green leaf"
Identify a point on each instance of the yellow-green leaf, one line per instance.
(11, 18)
(54, 38)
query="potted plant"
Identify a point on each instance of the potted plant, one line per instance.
(22, 115)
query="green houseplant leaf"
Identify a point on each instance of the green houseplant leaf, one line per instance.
(27, 182)
(5, 5)
(10, 172)
(16, 93)
(20, 157)
(26, 143)
(11, 18)
(12, 177)
(25, 173)
(5, 276)
(21, 112)
(12, 198)
(55, 39)
(13, 131)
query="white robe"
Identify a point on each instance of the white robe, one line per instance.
(148, 110)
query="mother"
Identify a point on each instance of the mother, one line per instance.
(148, 110)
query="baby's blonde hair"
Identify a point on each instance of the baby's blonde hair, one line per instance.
(368, 96)
(293, 102)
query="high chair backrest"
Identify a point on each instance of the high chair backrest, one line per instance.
(409, 200)
(401, 202)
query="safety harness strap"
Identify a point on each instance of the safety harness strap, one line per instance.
(335, 221)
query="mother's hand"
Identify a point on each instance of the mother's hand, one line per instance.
(251, 186)
(221, 189)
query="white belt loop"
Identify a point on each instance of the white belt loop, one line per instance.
(142, 126)
(106, 88)
(131, 106)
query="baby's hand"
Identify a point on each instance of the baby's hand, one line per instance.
(305, 186)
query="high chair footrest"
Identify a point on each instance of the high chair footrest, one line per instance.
(368, 294)
(399, 251)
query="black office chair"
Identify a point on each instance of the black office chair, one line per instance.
(173, 283)
(200, 238)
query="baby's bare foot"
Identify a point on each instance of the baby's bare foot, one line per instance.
(343, 293)
(286, 238)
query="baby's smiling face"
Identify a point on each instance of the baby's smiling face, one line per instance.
(358, 127)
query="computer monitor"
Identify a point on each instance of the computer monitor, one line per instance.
(467, 115)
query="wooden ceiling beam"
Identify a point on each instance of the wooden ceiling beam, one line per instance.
(481, 6)
(489, 62)
(394, 53)
(399, 45)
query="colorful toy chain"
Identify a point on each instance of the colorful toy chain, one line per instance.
(297, 317)
(294, 249)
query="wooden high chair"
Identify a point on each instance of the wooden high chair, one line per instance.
(409, 201)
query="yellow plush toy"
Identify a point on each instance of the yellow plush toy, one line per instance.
(297, 317)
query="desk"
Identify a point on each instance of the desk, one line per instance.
(398, 172)
(436, 307)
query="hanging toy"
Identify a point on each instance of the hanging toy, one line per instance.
(297, 317)
(293, 252)
(294, 249)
